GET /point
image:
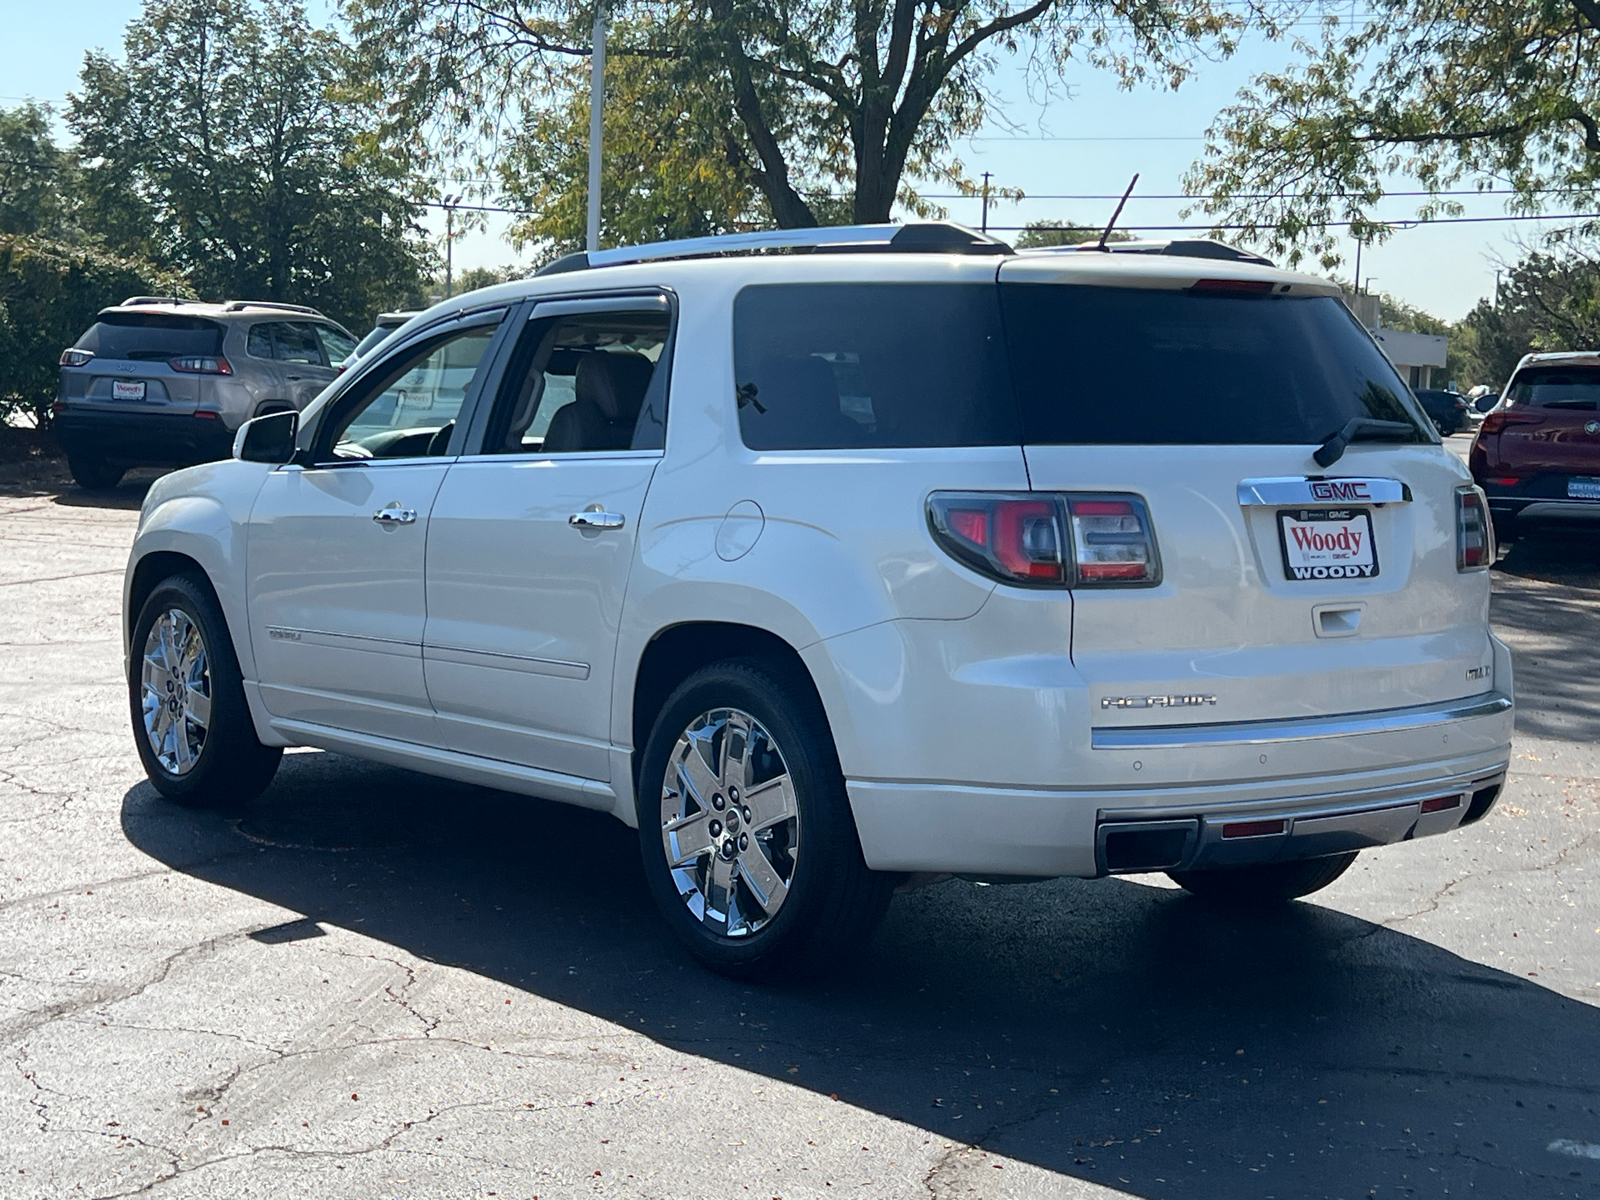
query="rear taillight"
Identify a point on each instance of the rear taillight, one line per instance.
(75, 358)
(1041, 539)
(201, 364)
(1497, 420)
(1474, 531)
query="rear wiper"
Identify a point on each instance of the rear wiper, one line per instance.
(1362, 429)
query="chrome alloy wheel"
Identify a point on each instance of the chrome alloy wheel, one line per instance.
(729, 823)
(176, 691)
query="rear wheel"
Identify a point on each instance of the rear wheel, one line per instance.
(186, 695)
(1271, 883)
(749, 845)
(93, 473)
(1505, 530)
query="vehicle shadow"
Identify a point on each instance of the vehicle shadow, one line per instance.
(1109, 1031)
(1546, 605)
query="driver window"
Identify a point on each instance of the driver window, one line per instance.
(410, 409)
(590, 384)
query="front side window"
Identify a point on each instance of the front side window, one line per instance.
(584, 382)
(1556, 387)
(297, 343)
(875, 365)
(407, 407)
(337, 344)
(1144, 366)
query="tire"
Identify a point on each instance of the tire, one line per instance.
(1505, 530)
(197, 743)
(1272, 883)
(93, 473)
(802, 834)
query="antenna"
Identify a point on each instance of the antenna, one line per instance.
(1112, 224)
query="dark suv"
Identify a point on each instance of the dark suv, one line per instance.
(1447, 410)
(1537, 455)
(166, 383)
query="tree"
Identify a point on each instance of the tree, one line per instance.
(37, 179)
(220, 152)
(1492, 93)
(1065, 233)
(799, 96)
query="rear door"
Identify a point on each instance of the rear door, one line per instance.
(144, 362)
(1548, 435)
(306, 367)
(1286, 589)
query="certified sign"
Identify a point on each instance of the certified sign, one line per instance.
(1327, 543)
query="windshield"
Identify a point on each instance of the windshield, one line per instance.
(152, 337)
(1557, 387)
(1142, 366)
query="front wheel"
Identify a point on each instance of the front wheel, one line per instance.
(1271, 883)
(190, 718)
(749, 845)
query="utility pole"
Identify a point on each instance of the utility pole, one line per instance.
(450, 203)
(1497, 289)
(597, 93)
(985, 226)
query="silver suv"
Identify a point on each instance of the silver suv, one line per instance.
(162, 382)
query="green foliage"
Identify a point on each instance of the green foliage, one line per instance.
(37, 179)
(219, 151)
(1497, 93)
(1063, 233)
(49, 294)
(775, 107)
(1548, 301)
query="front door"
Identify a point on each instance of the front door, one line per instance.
(533, 537)
(337, 544)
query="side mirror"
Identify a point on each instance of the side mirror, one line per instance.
(268, 439)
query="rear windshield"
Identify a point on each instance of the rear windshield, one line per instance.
(837, 365)
(1557, 387)
(150, 337)
(1131, 366)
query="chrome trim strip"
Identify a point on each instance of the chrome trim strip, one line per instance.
(1303, 491)
(344, 641)
(559, 667)
(1294, 729)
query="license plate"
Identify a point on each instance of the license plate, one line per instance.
(1327, 543)
(121, 389)
(1583, 489)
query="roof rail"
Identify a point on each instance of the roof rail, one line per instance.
(241, 305)
(924, 237)
(1177, 247)
(134, 301)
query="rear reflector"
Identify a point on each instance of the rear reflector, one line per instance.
(1440, 803)
(1505, 481)
(211, 416)
(1249, 829)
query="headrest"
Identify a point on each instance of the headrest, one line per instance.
(614, 383)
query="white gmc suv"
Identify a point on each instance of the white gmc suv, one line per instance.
(892, 554)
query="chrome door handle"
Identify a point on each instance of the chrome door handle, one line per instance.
(395, 516)
(596, 520)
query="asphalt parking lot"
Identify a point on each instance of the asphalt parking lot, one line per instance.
(371, 984)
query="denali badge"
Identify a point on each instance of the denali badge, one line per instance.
(283, 635)
(1156, 701)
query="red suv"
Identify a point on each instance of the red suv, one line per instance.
(1537, 454)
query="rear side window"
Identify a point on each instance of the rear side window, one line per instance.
(152, 337)
(297, 343)
(1139, 366)
(1557, 387)
(876, 365)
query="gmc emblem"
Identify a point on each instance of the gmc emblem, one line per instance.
(1340, 489)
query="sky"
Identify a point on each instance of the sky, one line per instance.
(1088, 140)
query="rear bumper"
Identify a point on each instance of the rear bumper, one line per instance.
(1522, 508)
(135, 438)
(969, 829)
